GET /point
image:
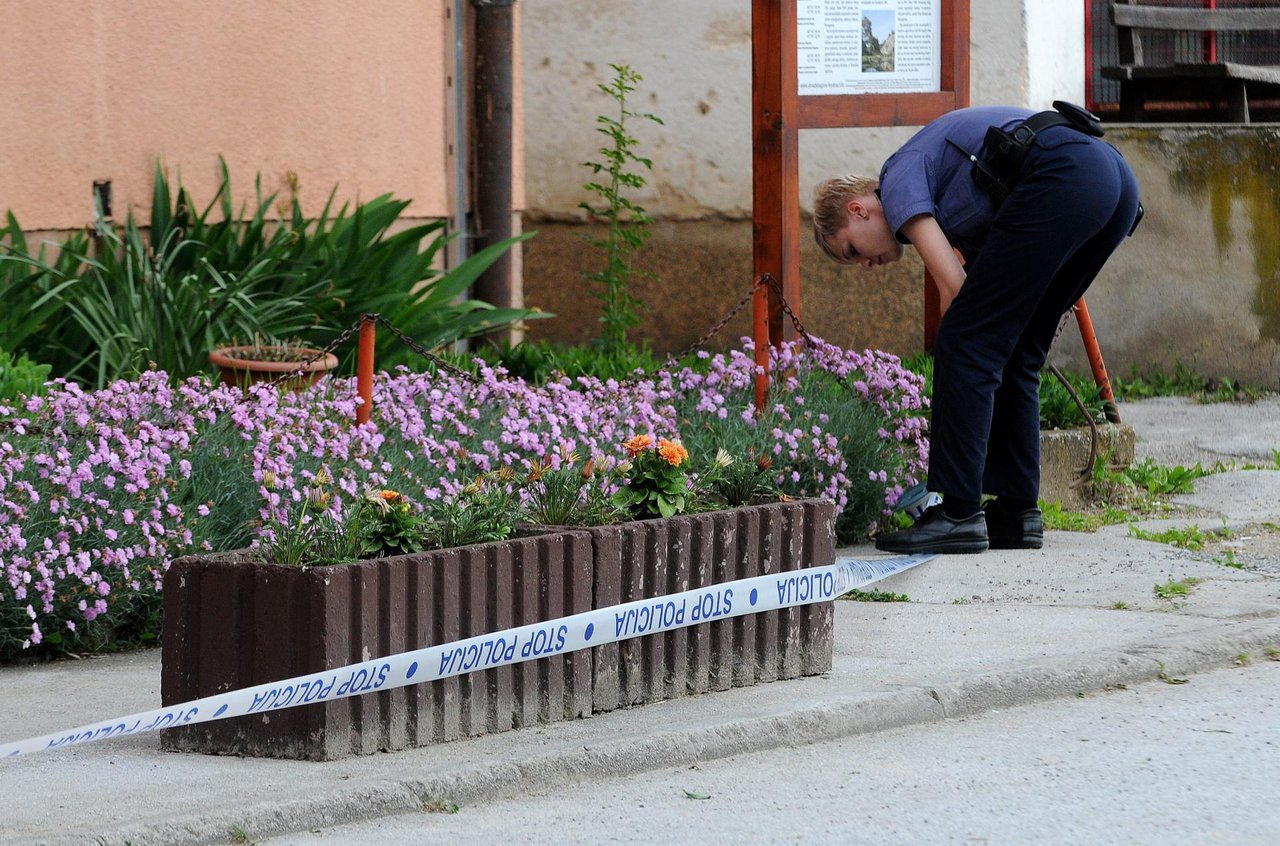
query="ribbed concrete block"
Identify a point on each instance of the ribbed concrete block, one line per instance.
(232, 622)
(651, 558)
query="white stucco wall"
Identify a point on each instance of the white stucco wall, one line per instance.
(696, 60)
(1055, 46)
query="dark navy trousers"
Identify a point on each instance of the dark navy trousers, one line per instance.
(1075, 202)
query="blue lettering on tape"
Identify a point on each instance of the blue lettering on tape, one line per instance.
(659, 615)
(712, 604)
(805, 587)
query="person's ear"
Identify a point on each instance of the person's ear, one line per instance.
(857, 209)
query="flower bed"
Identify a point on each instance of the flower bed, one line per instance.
(99, 491)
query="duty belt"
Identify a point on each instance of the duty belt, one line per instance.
(998, 165)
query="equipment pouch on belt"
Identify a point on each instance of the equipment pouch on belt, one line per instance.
(997, 165)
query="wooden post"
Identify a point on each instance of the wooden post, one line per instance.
(775, 156)
(778, 115)
(364, 370)
(760, 313)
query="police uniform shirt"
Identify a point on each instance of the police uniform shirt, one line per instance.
(930, 176)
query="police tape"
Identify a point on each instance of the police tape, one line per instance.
(498, 649)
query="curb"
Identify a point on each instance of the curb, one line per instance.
(1213, 648)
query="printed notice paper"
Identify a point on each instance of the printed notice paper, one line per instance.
(869, 46)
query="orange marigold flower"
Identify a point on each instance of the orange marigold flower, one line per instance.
(389, 495)
(672, 452)
(637, 445)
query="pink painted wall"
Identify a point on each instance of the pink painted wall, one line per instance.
(345, 92)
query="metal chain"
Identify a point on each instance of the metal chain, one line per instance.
(714, 330)
(776, 287)
(424, 352)
(342, 338)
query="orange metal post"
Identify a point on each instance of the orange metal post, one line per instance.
(760, 312)
(364, 370)
(1095, 360)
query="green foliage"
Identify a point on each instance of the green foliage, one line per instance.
(1140, 486)
(109, 306)
(1159, 480)
(1188, 537)
(32, 286)
(657, 482)
(1183, 383)
(1227, 558)
(315, 536)
(857, 427)
(568, 495)
(484, 512)
(539, 361)
(738, 480)
(620, 170)
(22, 377)
(875, 596)
(1059, 519)
(1174, 589)
(1059, 410)
(384, 522)
(388, 525)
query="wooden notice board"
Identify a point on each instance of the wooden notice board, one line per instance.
(869, 63)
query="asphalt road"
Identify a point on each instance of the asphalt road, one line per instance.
(1190, 763)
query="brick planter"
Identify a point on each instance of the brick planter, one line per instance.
(231, 622)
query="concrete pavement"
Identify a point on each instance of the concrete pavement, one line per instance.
(980, 632)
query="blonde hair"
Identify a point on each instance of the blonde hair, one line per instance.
(830, 205)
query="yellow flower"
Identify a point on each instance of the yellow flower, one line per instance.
(319, 497)
(505, 474)
(269, 479)
(723, 459)
(637, 445)
(323, 478)
(623, 468)
(672, 452)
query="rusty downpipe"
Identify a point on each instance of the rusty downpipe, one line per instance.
(493, 121)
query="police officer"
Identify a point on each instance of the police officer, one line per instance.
(1014, 215)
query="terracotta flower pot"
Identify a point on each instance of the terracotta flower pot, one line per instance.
(242, 366)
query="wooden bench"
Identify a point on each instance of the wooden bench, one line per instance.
(1227, 86)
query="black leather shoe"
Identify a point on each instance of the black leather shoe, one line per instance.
(936, 532)
(1016, 530)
